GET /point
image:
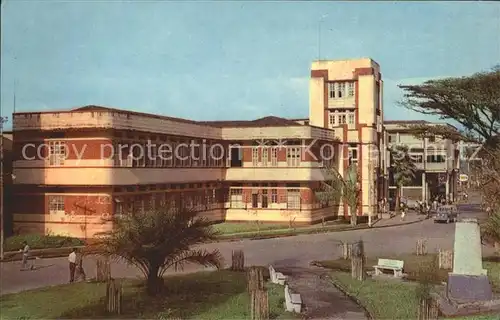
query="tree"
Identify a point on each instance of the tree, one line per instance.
(403, 168)
(337, 188)
(474, 103)
(490, 229)
(157, 240)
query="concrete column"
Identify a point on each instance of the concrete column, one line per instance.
(424, 187)
(447, 185)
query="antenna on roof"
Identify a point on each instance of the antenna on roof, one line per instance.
(15, 84)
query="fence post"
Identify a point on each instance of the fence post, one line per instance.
(103, 270)
(421, 247)
(238, 260)
(113, 297)
(259, 299)
(358, 261)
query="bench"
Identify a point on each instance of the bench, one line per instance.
(387, 264)
(276, 277)
(293, 302)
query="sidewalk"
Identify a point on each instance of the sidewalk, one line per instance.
(410, 218)
(395, 220)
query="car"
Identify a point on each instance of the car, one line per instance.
(447, 213)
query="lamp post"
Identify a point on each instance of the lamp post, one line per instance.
(2, 235)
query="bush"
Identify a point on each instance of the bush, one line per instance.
(37, 241)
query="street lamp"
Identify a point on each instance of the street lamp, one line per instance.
(2, 235)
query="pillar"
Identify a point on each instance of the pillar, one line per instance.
(447, 185)
(424, 188)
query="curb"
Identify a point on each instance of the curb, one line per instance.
(352, 297)
(64, 251)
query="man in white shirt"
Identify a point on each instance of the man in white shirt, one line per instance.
(26, 253)
(72, 265)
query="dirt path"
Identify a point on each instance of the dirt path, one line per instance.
(321, 299)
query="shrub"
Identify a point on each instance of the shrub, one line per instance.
(37, 241)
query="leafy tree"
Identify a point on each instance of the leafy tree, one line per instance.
(403, 168)
(474, 103)
(158, 240)
(337, 188)
(490, 229)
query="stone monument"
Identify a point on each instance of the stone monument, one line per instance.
(469, 281)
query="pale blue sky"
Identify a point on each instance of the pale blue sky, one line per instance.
(228, 60)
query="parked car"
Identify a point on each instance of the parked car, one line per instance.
(447, 213)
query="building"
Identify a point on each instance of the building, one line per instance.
(346, 97)
(437, 162)
(73, 168)
(6, 184)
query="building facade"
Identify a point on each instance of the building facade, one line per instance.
(436, 160)
(75, 168)
(346, 97)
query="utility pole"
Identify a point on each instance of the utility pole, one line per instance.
(2, 235)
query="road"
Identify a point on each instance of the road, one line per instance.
(296, 251)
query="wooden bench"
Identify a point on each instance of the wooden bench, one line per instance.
(387, 264)
(276, 277)
(293, 302)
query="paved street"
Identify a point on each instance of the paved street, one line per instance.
(295, 251)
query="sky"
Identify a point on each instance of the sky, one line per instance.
(226, 60)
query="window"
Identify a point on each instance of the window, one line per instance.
(274, 195)
(274, 156)
(255, 156)
(350, 89)
(339, 90)
(331, 90)
(331, 119)
(236, 200)
(293, 156)
(57, 153)
(350, 118)
(436, 158)
(339, 117)
(265, 154)
(353, 154)
(56, 204)
(118, 209)
(255, 199)
(264, 199)
(417, 158)
(392, 138)
(293, 199)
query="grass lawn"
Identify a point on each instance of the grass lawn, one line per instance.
(203, 295)
(235, 227)
(36, 241)
(251, 229)
(413, 263)
(395, 299)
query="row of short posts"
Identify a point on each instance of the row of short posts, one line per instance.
(259, 298)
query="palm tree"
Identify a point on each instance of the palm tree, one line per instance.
(490, 230)
(403, 168)
(337, 188)
(157, 240)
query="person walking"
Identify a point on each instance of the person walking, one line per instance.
(72, 265)
(26, 254)
(403, 211)
(80, 272)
